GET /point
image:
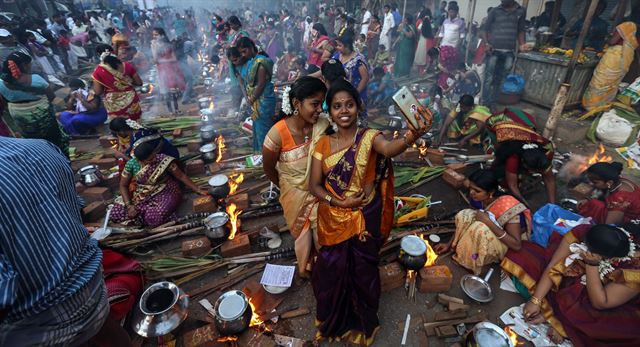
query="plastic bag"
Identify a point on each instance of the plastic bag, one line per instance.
(544, 223)
(613, 129)
(513, 84)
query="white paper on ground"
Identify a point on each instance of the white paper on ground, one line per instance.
(536, 333)
(506, 283)
(278, 275)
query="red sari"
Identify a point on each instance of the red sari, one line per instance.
(622, 201)
(120, 97)
(567, 306)
(316, 58)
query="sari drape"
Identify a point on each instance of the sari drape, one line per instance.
(298, 204)
(345, 280)
(622, 201)
(513, 124)
(405, 53)
(316, 58)
(476, 245)
(120, 97)
(154, 192)
(36, 120)
(465, 125)
(611, 69)
(263, 108)
(567, 306)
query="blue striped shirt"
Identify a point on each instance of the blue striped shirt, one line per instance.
(46, 255)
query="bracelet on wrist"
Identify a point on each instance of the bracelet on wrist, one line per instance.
(328, 198)
(502, 236)
(536, 301)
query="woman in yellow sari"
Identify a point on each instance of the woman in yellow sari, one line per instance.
(351, 175)
(287, 160)
(484, 237)
(613, 66)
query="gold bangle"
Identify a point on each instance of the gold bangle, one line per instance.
(502, 236)
(328, 198)
(535, 301)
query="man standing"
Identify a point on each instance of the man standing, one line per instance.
(52, 290)
(504, 30)
(598, 30)
(366, 19)
(452, 31)
(387, 25)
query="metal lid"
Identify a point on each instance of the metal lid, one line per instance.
(216, 219)
(88, 169)
(209, 147)
(231, 305)
(218, 180)
(413, 245)
(476, 288)
(204, 99)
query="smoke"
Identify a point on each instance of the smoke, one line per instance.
(573, 169)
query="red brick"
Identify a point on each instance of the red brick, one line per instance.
(436, 156)
(196, 247)
(111, 181)
(80, 188)
(205, 336)
(176, 133)
(106, 163)
(457, 166)
(204, 204)
(391, 276)
(94, 211)
(241, 201)
(411, 154)
(453, 178)
(432, 279)
(92, 194)
(214, 168)
(108, 141)
(193, 146)
(195, 167)
(240, 245)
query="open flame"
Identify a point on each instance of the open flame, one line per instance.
(113, 143)
(599, 156)
(227, 339)
(234, 182)
(423, 150)
(211, 105)
(396, 134)
(233, 219)
(255, 318)
(431, 254)
(513, 337)
(150, 89)
(221, 147)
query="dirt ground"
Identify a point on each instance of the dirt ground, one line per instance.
(394, 305)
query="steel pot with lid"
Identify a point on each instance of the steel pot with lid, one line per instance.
(219, 186)
(90, 175)
(216, 225)
(487, 334)
(413, 252)
(233, 313)
(162, 308)
(208, 134)
(204, 102)
(209, 153)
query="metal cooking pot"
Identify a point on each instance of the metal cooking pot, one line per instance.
(395, 122)
(487, 334)
(208, 81)
(161, 309)
(233, 313)
(208, 133)
(413, 252)
(145, 88)
(90, 175)
(216, 224)
(477, 288)
(219, 186)
(203, 103)
(208, 152)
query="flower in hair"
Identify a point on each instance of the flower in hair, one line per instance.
(332, 61)
(134, 125)
(286, 102)
(529, 146)
(14, 69)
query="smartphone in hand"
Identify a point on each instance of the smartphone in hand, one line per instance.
(408, 105)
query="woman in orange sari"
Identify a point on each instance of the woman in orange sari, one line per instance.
(483, 237)
(351, 175)
(116, 80)
(287, 162)
(585, 284)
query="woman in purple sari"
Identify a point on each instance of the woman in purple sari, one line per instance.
(351, 175)
(150, 188)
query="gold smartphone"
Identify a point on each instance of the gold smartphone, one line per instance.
(408, 105)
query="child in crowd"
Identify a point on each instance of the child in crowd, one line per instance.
(64, 42)
(381, 87)
(297, 69)
(360, 45)
(382, 58)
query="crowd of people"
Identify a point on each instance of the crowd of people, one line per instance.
(334, 172)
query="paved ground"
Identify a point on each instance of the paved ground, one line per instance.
(394, 305)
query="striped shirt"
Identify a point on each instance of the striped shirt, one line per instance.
(503, 27)
(46, 255)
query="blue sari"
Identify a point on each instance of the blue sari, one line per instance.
(264, 108)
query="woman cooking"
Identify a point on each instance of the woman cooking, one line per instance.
(115, 81)
(320, 48)
(484, 237)
(150, 187)
(129, 133)
(351, 177)
(585, 284)
(28, 99)
(287, 161)
(620, 202)
(256, 73)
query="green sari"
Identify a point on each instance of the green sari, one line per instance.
(406, 51)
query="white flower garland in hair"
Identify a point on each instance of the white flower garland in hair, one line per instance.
(105, 54)
(606, 265)
(134, 125)
(529, 146)
(286, 102)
